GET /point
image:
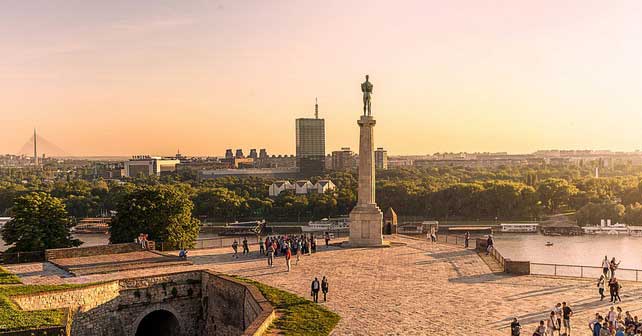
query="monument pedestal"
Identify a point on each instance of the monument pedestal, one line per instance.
(365, 226)
(366, 219)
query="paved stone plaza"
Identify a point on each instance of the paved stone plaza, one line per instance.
(416, 289)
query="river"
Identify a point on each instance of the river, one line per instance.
(587, 250)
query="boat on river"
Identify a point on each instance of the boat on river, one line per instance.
(606, 227)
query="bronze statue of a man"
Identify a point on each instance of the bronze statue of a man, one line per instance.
(366, 88)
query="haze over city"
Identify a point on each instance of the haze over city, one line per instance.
(121, 78)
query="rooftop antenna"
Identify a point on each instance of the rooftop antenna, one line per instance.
(316, 108)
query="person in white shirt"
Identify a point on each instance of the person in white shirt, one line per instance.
(605, 266)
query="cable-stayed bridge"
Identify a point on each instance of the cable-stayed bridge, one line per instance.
(43, 146)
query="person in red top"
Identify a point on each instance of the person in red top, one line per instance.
(288, 256)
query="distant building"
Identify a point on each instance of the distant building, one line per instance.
(228, 154)
(381, 158)
(239, 154)
(324, 185)
(302, 187)
(145, 165)
(343, 159)
(253, 154)
(263, 153)
(279, 173)
(310, 144)
(278, 187)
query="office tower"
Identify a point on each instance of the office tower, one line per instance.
(381, 158)
(310, 144)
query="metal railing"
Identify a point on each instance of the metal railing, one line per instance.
(498, 256)
(457, 240)
(580, 271)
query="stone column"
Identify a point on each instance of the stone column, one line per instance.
(366, 218)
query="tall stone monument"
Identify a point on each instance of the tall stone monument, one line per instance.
(366, 217)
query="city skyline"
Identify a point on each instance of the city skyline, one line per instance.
(134, 78)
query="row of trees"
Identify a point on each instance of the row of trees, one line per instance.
(164, 212)
(438, 192)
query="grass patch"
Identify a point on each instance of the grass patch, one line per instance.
(300, 316)
(13, 318)
(8, 278)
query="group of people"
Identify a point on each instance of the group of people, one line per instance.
(559, 319)
(143, 240)
(287, 246)
(615, 323)
(608, 278)
(315, 287)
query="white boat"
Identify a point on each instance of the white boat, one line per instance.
(327, 224)
(519, 227)
(606, 227)
(635, 230)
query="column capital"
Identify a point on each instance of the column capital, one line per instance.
(366, 121)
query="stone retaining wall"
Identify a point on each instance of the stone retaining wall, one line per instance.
(234, 307)
(76, 252)
(205, 303)
(83, 299)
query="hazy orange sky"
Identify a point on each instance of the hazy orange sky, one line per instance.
(148, 77)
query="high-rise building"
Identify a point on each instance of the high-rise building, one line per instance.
(381, 158)
(253, 154)
(310, 144)
(263, 153)
(239, 154)
(228, 154)
(343, 159)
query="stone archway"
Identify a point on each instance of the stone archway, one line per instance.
(159, 323)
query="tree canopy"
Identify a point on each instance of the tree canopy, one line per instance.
(40, 222)
(164, 212)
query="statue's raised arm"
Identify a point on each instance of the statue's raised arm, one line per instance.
(366, 88)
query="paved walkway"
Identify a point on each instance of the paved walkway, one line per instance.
(416, 289)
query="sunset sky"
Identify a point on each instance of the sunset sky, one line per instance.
(149, 77)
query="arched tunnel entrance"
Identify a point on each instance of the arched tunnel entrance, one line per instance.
(159, 323)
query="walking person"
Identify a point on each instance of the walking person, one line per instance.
(551, 324)
(600, 286)
(270, 255)
(605, 266)
(327, 239)
(489, 244)
(315, 290)
(567, 312)
(558, 316)
(246, 248)
(261, 247)
(466, 239)
(613, 266)
(288, 257)
(324, 287)
(298, 252)
(235, 247)
(615, 287)
(515, 328)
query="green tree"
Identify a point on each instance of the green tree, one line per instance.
(592, 213)
(555, 192)
(40, 222)
(162, 211)
(633, 214)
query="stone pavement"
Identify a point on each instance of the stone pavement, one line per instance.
(417, 289)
